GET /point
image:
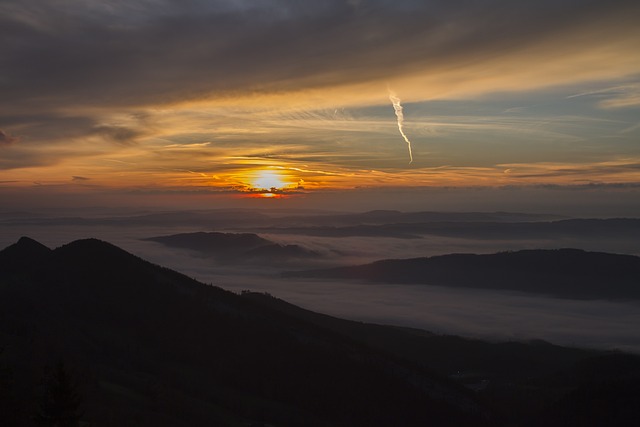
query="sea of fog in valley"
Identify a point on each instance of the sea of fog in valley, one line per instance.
(486, 314)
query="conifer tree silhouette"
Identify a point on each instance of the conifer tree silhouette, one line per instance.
(60, 403)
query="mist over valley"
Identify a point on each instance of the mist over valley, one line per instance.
(483, 313)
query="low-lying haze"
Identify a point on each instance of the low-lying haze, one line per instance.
(478, 313)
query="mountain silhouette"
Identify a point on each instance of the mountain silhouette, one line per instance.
(155, 346)
(23, 254)
(380, 217)
(569, 273)
(148, 346)
(471, 226)
(234, 246)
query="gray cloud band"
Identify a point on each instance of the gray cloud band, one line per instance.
(144, 52)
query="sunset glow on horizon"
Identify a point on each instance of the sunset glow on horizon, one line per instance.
(493, 95)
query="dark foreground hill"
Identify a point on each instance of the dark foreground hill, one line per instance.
(153, 347)
(147, 346)
(568, 273)
(524, 383)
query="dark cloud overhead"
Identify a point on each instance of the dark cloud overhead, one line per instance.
(142, 52)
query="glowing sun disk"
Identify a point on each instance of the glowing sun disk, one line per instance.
(266, 180)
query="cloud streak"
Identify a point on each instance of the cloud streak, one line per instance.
(397, 107)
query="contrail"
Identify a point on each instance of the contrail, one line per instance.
(398, 109)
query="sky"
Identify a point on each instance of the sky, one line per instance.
(268, 103)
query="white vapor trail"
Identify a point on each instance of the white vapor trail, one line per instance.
(398, 109)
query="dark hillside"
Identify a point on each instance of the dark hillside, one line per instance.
(145, 345)
(151, 345)
(22, 255)
(474, 227)
(568, 273)
(526, 383)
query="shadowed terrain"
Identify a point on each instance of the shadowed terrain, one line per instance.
(471, 227)
(568, 273)
(234, 246)
(148, 346)
(154, 346)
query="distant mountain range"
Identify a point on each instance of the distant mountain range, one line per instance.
(214, 218)
(230, 218)
(380, 217)
(234, 246)
(616, 228)
(568, 273)
(148, 346)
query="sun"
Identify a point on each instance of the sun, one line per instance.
(270, 183)
(268, 180)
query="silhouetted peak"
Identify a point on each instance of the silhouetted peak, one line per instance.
(28, 242)
(25, 241)
(96, 255)
(25, 253)
(92, 248)
(92, 243)
(26, 246)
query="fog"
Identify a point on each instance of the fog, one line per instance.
(492, 315)
(497, 316)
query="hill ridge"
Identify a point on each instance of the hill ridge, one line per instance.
(566, 272)
(161, 337)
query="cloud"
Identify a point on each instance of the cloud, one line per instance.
(141, 91)
(628, 97)
(623, 96)
(79, 178)
(118, 134)
(149, 52)
(6, 139)
(614, 171)
(54, 137)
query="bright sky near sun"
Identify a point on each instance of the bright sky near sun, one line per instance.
(281, 96)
